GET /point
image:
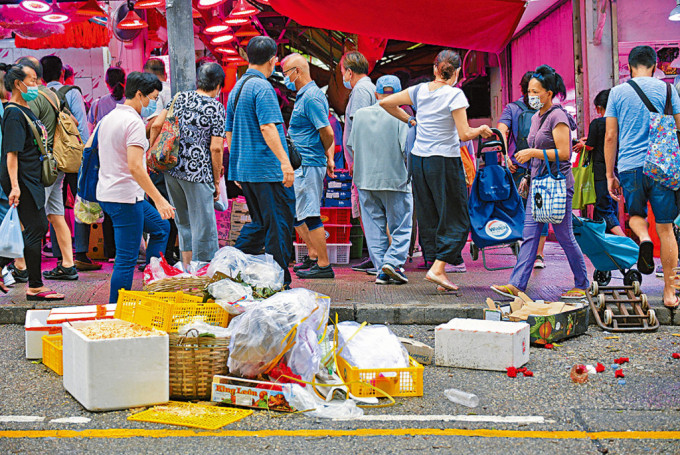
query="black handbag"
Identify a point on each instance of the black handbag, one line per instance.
(293, 154)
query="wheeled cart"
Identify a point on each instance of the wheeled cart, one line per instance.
(621, 308)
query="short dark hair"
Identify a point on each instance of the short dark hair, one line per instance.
(52, 68)
(601, 99)
(550, 81)
(355, 61)
(33, 63)
(209, 76)
(524, 83)
(13, 73)
(447, 62)
(642, 56)
(141, 82)
(68, 71)
(115, 79)
(155, 66)
(260, 50)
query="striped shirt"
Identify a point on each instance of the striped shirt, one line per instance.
(250, 158)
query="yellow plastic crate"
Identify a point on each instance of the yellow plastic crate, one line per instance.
(191, 415)
(53, 353)
(167, 311)
(408, 382)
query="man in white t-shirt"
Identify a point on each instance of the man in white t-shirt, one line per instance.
(124, 180)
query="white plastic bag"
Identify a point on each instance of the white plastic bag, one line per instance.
(263, 272)
(87, 212)
(303, 399)
(228, 260)
(373, 347)
(11, 238)
(229, 291)
(258, 334)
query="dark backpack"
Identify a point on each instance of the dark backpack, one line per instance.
(524, 125)
(61, 94)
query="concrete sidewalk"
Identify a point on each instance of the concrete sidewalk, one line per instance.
(355, 295)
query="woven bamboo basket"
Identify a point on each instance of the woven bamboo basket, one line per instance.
(194, 361)
(193, 285)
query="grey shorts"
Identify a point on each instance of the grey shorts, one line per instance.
(54, 198)
(308, 191)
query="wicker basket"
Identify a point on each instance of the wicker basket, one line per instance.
(193, 285)
(193, 363)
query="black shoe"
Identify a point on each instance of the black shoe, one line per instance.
(364, 265)
(61, 273)
(141, 267)
(20, 276)
(317, 272)
(306, 264)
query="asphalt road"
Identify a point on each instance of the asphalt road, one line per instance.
(567, 417)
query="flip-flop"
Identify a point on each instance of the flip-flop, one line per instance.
(504, 290)
(646, 258)
(44, 296)
(445, 284)
(574, 294)
(672, 307)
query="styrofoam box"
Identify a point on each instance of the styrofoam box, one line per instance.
(482, 345)
(35, 328)
(117, 373)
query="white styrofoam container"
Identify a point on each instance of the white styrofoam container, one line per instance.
(35, 328)
(482, 345)
(114, 374)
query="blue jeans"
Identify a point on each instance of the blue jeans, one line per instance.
(638, 189)
(565, 236)
(379, 210)
(605, 207)
(129, 222)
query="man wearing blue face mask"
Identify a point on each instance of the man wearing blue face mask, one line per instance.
(312, 134)
(354, 68)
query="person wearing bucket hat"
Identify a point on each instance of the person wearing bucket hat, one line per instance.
(379, 143)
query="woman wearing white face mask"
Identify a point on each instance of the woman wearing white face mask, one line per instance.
(550, 136)
(193, 184)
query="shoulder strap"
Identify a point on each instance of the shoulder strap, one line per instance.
(56, 107)
(238, 95)
(172, 104)
(642, 95)
(669, 94)
(36, 134)
(545, 117)
(521, 105)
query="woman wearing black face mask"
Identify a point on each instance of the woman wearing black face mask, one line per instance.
(550, 133)
(20, 175)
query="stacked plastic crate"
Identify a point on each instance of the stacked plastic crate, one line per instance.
(239, 218)
(336, 214)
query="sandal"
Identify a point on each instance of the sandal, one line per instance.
(449, 286)
(674, 306)
(45, 296)
(574, 294)
(646, 258)
(504, 290)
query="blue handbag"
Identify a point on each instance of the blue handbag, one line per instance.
(88, 175)
(549, 194)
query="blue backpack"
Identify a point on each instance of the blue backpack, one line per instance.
(523, 127)
(88, 175)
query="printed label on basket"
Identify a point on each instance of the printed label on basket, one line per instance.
(497, 229)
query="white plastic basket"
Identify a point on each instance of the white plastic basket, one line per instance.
(338, 253)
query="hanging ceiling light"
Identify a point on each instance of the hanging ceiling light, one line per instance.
(247, 30)
(675, 12)
(226, 50)
(35, 6)
(57, 16)
(149, 4)
(100, 20)
(205, 4)
(235, 21)
(132, 21)
(91, 8)
(215, 27)
(243, 8)
(222, 39)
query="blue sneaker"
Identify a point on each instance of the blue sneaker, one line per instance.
(395, 273)
(383, 279)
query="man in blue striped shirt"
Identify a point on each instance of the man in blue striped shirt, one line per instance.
(258, 158)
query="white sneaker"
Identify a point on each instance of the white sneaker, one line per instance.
(539, 263)
(7, 277)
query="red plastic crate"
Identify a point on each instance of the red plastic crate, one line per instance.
(336, 215)
(335, 233)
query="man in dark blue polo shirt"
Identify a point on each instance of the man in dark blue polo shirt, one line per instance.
(258, 158)
(312, 134)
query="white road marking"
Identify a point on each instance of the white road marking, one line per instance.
(71, 420)
(456, 418)
(20, 419)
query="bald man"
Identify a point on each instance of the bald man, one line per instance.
(312, 134)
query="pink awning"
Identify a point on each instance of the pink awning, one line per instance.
(483, 25)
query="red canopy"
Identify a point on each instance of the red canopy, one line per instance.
(483, 25)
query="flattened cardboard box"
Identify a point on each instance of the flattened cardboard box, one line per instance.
(250, 394)
(420, 352)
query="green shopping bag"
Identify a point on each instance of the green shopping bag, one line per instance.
(584, 182)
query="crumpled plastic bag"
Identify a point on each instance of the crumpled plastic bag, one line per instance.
(228, 260)
(88, 212)
(373, 347)
(258, 334)
(200, 327)
(263, 272)
(303, 399)
(158, 269)
(195, 268)
(230, 291)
